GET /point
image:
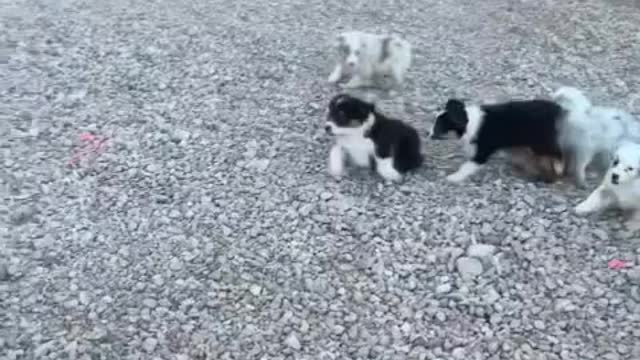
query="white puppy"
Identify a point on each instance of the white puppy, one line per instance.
(591, 131)
(365, 57)
(620, 187)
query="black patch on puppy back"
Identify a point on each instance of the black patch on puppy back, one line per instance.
(385, 52)
(531, 124)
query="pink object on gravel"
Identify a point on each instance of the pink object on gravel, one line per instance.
(617, 264)
(90, 145)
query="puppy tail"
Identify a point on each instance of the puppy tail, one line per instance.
(571, 99)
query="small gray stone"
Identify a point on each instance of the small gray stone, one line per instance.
(157, 280)
(480, 251)
(469, 267)
(175, 264)
(443, 288)
(293, 342)
(23, 214)
(459, 353)
(255, 290)
(633, 275)
(149, 345)
(4, 272)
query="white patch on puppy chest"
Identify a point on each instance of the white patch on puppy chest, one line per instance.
(475, 116)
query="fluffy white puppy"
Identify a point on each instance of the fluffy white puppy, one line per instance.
(591, 131)
(365, 57)
(620, 187)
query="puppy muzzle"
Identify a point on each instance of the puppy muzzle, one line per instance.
(615, 179)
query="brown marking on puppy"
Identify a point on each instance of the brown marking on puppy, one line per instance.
(385, 53)
(547, 168)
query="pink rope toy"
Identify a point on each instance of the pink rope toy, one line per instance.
(90, 145)
(617, 264)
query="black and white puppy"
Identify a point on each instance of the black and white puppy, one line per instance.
(486, 129)
(370, 139)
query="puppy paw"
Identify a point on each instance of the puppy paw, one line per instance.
(336, 173)
(456, 178)
(333, 78)
(393, 177)
(583, 208)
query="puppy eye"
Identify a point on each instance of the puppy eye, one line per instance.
(629, 168)
(616, 162)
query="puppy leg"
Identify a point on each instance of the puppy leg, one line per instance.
(633, 224)
(581, 163)
(595, 202)
(467, 169)
(386, 170)
(481, 156)
(397, 76)
(336, 74)
(336, 161)
(363, 76)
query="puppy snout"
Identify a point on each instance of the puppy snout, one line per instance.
(351, 63)
(327, 129)
(615, 178)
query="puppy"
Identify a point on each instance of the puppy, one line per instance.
(620, 187)
(365, 57)
(591, 131)
(485, 129)
(368, 138)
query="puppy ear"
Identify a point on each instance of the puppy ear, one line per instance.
(456, 111)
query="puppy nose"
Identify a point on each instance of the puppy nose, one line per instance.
(327, 129)
(351, 63)
(615, 178)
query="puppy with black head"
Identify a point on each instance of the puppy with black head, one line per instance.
(369, 139)
(486, 129)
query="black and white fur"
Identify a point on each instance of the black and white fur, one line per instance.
(592, 132)
(486, 129)
(620, 187)
(370, 139)
(365, 57)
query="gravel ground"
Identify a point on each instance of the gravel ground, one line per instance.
(205, 225)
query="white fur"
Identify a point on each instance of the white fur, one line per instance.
(591, 131)
(359, 149)
(360, 58)
(386, 170)
(467, 169)
(475, 117)
(625, 194)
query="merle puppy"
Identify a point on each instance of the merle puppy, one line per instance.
(485, 129)
(370, 139)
